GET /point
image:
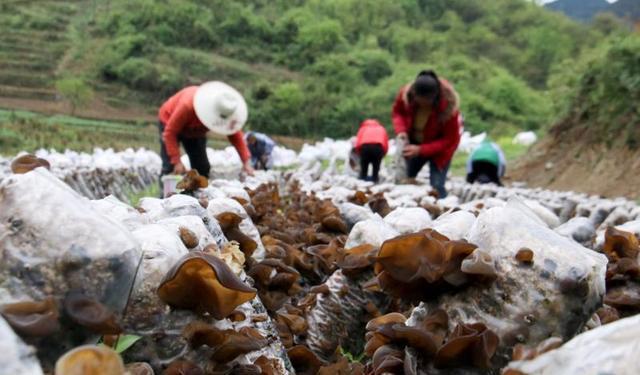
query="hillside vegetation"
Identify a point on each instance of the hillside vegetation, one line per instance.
(595, 147)
(308, 68)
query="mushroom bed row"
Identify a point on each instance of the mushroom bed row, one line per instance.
(102, 173)
(314, 272)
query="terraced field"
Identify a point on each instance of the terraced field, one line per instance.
(33, 42)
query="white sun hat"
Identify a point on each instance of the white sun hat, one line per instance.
(220, 107)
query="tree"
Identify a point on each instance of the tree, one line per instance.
(76, 91)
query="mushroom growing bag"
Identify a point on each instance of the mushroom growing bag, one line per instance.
(55, 242)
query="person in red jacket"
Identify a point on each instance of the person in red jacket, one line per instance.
(427, 119)
(187, 116)
(372, 144)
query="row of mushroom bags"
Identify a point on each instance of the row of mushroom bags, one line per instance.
(306, 271)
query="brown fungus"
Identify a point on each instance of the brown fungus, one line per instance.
(391, 318)
(32, 318)
(189, 239)
(27, 163)
(297, 325)
(198, 334)
(334, 223)
(192, 181)
(387, 360)
(235, 344)
(237, 316)
(415, 266)
(320, 289)
(620, 244)
(285, 334)
(90, 360)
(357, 259)
(304, 361)
(258, 318)
(204, 283)
(607, 314)
(91, 314)
(324, 210)
(470, 344)
(182, 367)
(342, 367)
(326, 256)
(624, 297)
(525, 255)
(418, 339)
(360, 198)
(229, 223)
(226, 344)
(267, 366)
(380, 206)
(623, 268)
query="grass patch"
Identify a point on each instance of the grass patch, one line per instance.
(133, 198)
(29, 131)
(351, 357)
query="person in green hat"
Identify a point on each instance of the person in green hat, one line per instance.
(486, 164)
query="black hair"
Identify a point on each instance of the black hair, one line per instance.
(427, 84)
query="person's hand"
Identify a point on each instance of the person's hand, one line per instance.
(411, 151)
(247, 168)
(179, 169)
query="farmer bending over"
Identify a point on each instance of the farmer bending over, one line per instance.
(372, 144)
(426, 116)
(187, 117)
(261, 148)
(486, 164)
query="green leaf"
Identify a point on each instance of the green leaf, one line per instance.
(124, 342)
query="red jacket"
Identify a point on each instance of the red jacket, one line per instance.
(179, 120)
(372, 132)
(441, 135)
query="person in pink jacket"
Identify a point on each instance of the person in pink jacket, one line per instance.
(372, 144)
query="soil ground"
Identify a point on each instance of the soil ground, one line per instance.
(594, 169)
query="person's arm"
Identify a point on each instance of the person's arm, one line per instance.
(237, 140)
(399, 113)
(451, 136)
(172, 129)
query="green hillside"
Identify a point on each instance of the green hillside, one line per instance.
(308, 68)
(605, 92)
(594, 147)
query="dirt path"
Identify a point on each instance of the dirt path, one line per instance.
(592, 169)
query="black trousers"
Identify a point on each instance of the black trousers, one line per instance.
(483, 172)
(196, 149)
(371, 153)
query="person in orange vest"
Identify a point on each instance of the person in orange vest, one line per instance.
(372, 144)
(187, 116)
(426, 117)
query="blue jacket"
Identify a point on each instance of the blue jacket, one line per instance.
(263, 146)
